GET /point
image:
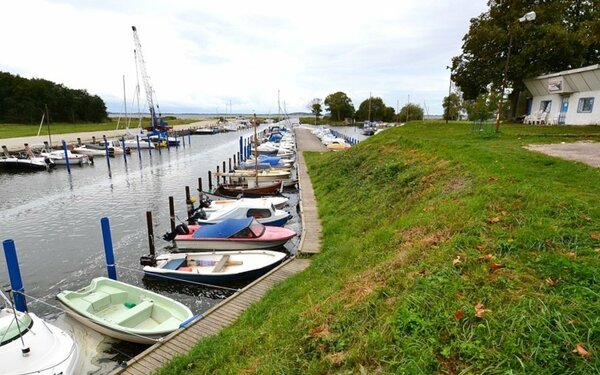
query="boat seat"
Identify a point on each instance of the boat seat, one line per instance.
(97, 301)
(135, 315)
(221, 263)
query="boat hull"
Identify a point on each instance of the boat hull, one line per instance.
(245, 265)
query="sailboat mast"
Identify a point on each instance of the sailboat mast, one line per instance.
(255, 151)
(48, 123)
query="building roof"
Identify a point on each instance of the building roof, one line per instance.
(566, 82)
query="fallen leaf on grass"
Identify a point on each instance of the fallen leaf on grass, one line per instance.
(486, 257)
(551, 282)
(596, 236)
(459, 314)
(571, 255)
(597, 250)
(496, 266)
(493, 220)
(491, 179)
(503, 213)
(480, 311)
(549, 243)
(579, 349)
(456, 260)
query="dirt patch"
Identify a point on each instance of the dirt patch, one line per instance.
(585, 152)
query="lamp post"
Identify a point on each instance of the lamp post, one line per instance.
(449, 93)
(529, 16)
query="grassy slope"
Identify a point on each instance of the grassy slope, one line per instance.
(422, 223)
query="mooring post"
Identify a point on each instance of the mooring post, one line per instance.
(230, 165)
(190, 137)
(241, 144)
(150, 232)
(200, 186)
(176, 141)
(150, 146)
(235, 158)
(93, 139)
(124, 150)
(210, 181)
(224, 166)
(189, 203)
(14, 274)
(172, 213)
(64, 144)
(111, 268)
(137, 140)
(107, 153)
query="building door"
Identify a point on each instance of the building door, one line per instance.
(564, 107)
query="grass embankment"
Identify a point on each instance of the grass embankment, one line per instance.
(443, 252)
(21, 130)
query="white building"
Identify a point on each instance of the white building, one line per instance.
(570, 97)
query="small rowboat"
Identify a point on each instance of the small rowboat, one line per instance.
(218, 267)
(124, 311)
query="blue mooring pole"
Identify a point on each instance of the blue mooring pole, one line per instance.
(190, 137)
(241, 145)
(14, 274)
(64, 144)
(108, 249)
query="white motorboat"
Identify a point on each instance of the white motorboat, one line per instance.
(216, 204)
(58, 157)
(30, 345)
(24, 162)
(260, 209)
(215, 267)
(141, 143)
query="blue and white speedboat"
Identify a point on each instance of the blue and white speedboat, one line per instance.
(261, 209)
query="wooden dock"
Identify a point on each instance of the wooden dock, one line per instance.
(310, 238)
(226, 312)
(211, 322)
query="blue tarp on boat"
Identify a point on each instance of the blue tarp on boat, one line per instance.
(224, 229)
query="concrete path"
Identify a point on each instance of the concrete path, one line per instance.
(17, 144)
(585, 152)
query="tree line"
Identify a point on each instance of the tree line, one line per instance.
(340, 107)
(23, 101)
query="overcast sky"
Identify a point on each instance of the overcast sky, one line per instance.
(234, 56)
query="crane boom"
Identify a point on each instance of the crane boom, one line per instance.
(145, 78)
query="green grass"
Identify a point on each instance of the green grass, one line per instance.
(420, 224)
(20, 130)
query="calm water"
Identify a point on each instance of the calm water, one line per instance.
(54, 220)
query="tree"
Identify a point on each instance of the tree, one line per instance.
(481, 108)
(315, 107)
(374, 109)
(411, 112)
(565, 35)
(452, 106)
(339, 105)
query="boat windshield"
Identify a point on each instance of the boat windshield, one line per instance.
(9, 330)
(257, 228)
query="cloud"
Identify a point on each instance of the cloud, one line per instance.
(209, 56)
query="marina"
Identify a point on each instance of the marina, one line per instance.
(53, 217)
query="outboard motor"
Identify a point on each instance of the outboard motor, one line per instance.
(148, 260)
(179, 229)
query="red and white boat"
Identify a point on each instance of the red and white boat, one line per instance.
(232, 234)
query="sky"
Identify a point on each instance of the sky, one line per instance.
(235, 56)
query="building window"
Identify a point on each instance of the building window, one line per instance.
(585, 105)
(545, 105)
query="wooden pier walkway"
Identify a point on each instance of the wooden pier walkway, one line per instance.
(226, 312)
